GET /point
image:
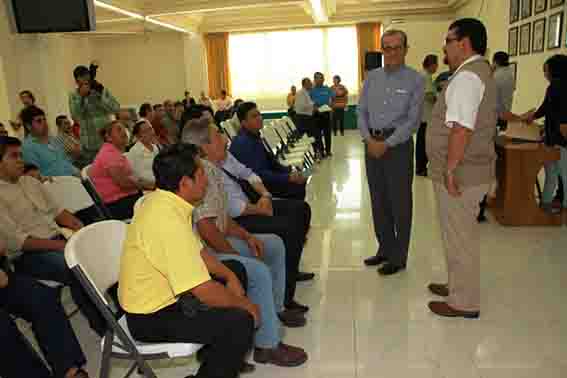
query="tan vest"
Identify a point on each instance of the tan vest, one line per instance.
(478, 165)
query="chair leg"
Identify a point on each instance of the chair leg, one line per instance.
(106, 355)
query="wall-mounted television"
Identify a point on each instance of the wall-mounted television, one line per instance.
(52, 16)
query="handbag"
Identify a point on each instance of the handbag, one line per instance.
(251, 193)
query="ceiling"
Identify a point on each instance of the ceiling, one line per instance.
(207, 16)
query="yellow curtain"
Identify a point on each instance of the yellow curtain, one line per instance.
(217, 62)
(369, 35)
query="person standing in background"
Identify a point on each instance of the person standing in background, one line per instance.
(305, 121)
(322, 97)
(460, 146)
(505, 79)
(430, 66)
(291, 101)
(92, 107)
(389, 113)
(340, 102)
(169, 122)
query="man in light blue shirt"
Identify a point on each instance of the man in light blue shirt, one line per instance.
(389, 113)
(42, 150)
(322, 95)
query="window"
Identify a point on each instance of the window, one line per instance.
(263, 66)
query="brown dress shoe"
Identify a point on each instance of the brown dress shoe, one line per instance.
(282, 355)
(443, 309)
(292, 318)
(441, 290)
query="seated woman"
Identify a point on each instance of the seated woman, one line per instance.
(142, 154)
(112, 173)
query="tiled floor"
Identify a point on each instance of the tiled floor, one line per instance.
(361, 325)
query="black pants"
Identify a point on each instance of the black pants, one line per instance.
(51, 266)
(288, 190)
(421, 159)
(390, 181)
(88, 215)
(39, 305)
(123, 208)
(290, 222)
(339, 121)
(323, 121)
(226, 332)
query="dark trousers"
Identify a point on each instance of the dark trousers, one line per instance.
(421, 159)
(390, 180)
(304, 124)
(226, 332)
(290, 222)
(123, 208)
(323, 121)
(339, 121)
(39, 305)
(288, 190)
(51, 266)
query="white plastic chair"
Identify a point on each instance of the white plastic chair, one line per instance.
(93, 254)
(69, 193)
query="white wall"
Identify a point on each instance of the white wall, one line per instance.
(530, 82)
(196, 74)
(142, 68)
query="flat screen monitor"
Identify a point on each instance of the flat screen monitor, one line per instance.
(52, 16)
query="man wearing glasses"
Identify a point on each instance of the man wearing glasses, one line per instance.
(390, 110)
(460, 147)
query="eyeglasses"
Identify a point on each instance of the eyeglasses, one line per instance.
(450, 39)
(40, 119)
(392, 48)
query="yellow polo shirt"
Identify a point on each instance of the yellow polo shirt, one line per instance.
(161, 256)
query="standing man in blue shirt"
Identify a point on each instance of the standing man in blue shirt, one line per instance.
(323, 95)
(390, 110)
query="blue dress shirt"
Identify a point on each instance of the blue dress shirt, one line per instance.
(250, 151)
(391, 100)
(49, 158)
(321, 95)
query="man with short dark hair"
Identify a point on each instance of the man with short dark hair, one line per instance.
(92, 108)
(30, 223)
(42, 150)
(460, 146)
(389, 113)
(505, 79)
(322, 97)
(430, 65)
(249, 149)
(166, 283)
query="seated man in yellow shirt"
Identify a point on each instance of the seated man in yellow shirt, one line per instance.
(165, 283)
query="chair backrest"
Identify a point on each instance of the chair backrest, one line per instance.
(96, 250)
(91, 190)
(69, 193)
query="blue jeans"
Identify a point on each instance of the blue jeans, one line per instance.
(266, 284)
(552, 171)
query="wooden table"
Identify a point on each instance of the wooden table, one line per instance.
(517, 168)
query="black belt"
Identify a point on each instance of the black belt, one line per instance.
(382, 134)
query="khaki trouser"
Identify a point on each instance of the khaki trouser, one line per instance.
(460, 232)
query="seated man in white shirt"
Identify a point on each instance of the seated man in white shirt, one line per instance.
(143, 153)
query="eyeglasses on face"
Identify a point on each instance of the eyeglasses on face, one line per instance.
(392, 48)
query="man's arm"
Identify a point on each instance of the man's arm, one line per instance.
(235, 230)
(405, 130)
(363, 113)
(68, 220)
(75, 106)
(459, 139)
(108, 102)
(214, 238)
(35, 244)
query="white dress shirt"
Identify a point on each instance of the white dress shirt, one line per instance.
(464, 95)
(303, 103)
(142, 161)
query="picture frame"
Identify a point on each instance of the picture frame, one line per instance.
(514, 11)
(513, 41)
(514, 66)
(555, 3)
(540, 6)
(525, 40)
(554, 30)
(526, 9)
(538, 36)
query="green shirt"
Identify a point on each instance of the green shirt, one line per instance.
(93, 113)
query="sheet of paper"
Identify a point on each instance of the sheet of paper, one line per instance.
(520, 130)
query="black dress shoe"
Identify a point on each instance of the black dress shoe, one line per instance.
(292, 318)
(294, 306)
(389, 269)
(304, 276)
(375, 260)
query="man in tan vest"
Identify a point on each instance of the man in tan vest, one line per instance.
(460, 146)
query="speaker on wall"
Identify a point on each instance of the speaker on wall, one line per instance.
(372, 60)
